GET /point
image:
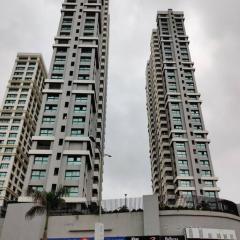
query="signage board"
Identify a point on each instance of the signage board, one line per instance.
(99, 231)
(124, 238)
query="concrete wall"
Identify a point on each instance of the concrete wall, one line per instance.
(174, 222)
(1, 225)
(16, 227)
(117, 224)
(151, 216)
(149, 222)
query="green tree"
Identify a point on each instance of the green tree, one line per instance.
(44, 203)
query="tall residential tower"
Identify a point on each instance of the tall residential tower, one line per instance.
(179, 148)
(18, 119)
(68, 145)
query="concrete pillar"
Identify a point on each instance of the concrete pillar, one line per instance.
(151, 215)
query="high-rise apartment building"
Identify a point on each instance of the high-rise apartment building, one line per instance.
(18, 119)
(179, 148)
(68, 146)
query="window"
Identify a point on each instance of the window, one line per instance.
(179, 127)
(14, 128)
(58, 67)
(20, 108)
(4, 165)
(6, 158)
(85, 59)
(38, 188)
(185, 183)
(176, 112)
(88, 33)
(52, 97)
(206, 173)
(83, 77)
(210, 194)
(208, 183)
(8, 150)
(204, 162)
(25, 90)
(58, 156)
(84, 68)
(11, 95)
(196, 120)
(72, 175)
(187, 193)
(12, 135)
(10, 101)
(2, 134)
(81, 98)
(13, 90)
(11, 142)
(16, 120)
(89, 27)
(72, 191)
(54, 187)
(30, 68)
(194, 105)
(195, 113)
(4, 120)
(197, 127)
(74, 160)
(3, 127)
(3, 174)
(77, 132)
(57, 76)
(201, 145)
(21, 102)
(48, 119)
(184, 173)
(38, 174)
(46, 132)
(60, 59)
(181, 154)
(79, 109)
(78, 120)
(50, 108)
(177, 120)
(41, 160)
(175, 105)
(199, 135)
(66, 27)
(202, 153)
(67, 20)
(90, 21)
(183, 163)
(1, 183)
(7, 114)
(180, 145)
(56, 171)
(7, 107)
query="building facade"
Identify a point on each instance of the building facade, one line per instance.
(18, 119)
(179, 148)
(68, 146)
(146, 224)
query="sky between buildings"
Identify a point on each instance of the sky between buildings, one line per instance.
(214, 33)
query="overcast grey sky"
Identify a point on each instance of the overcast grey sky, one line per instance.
(213, 28)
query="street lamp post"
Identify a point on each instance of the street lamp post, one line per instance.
(99, 227)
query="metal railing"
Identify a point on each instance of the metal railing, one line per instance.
(204, 204)
(108, 206)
